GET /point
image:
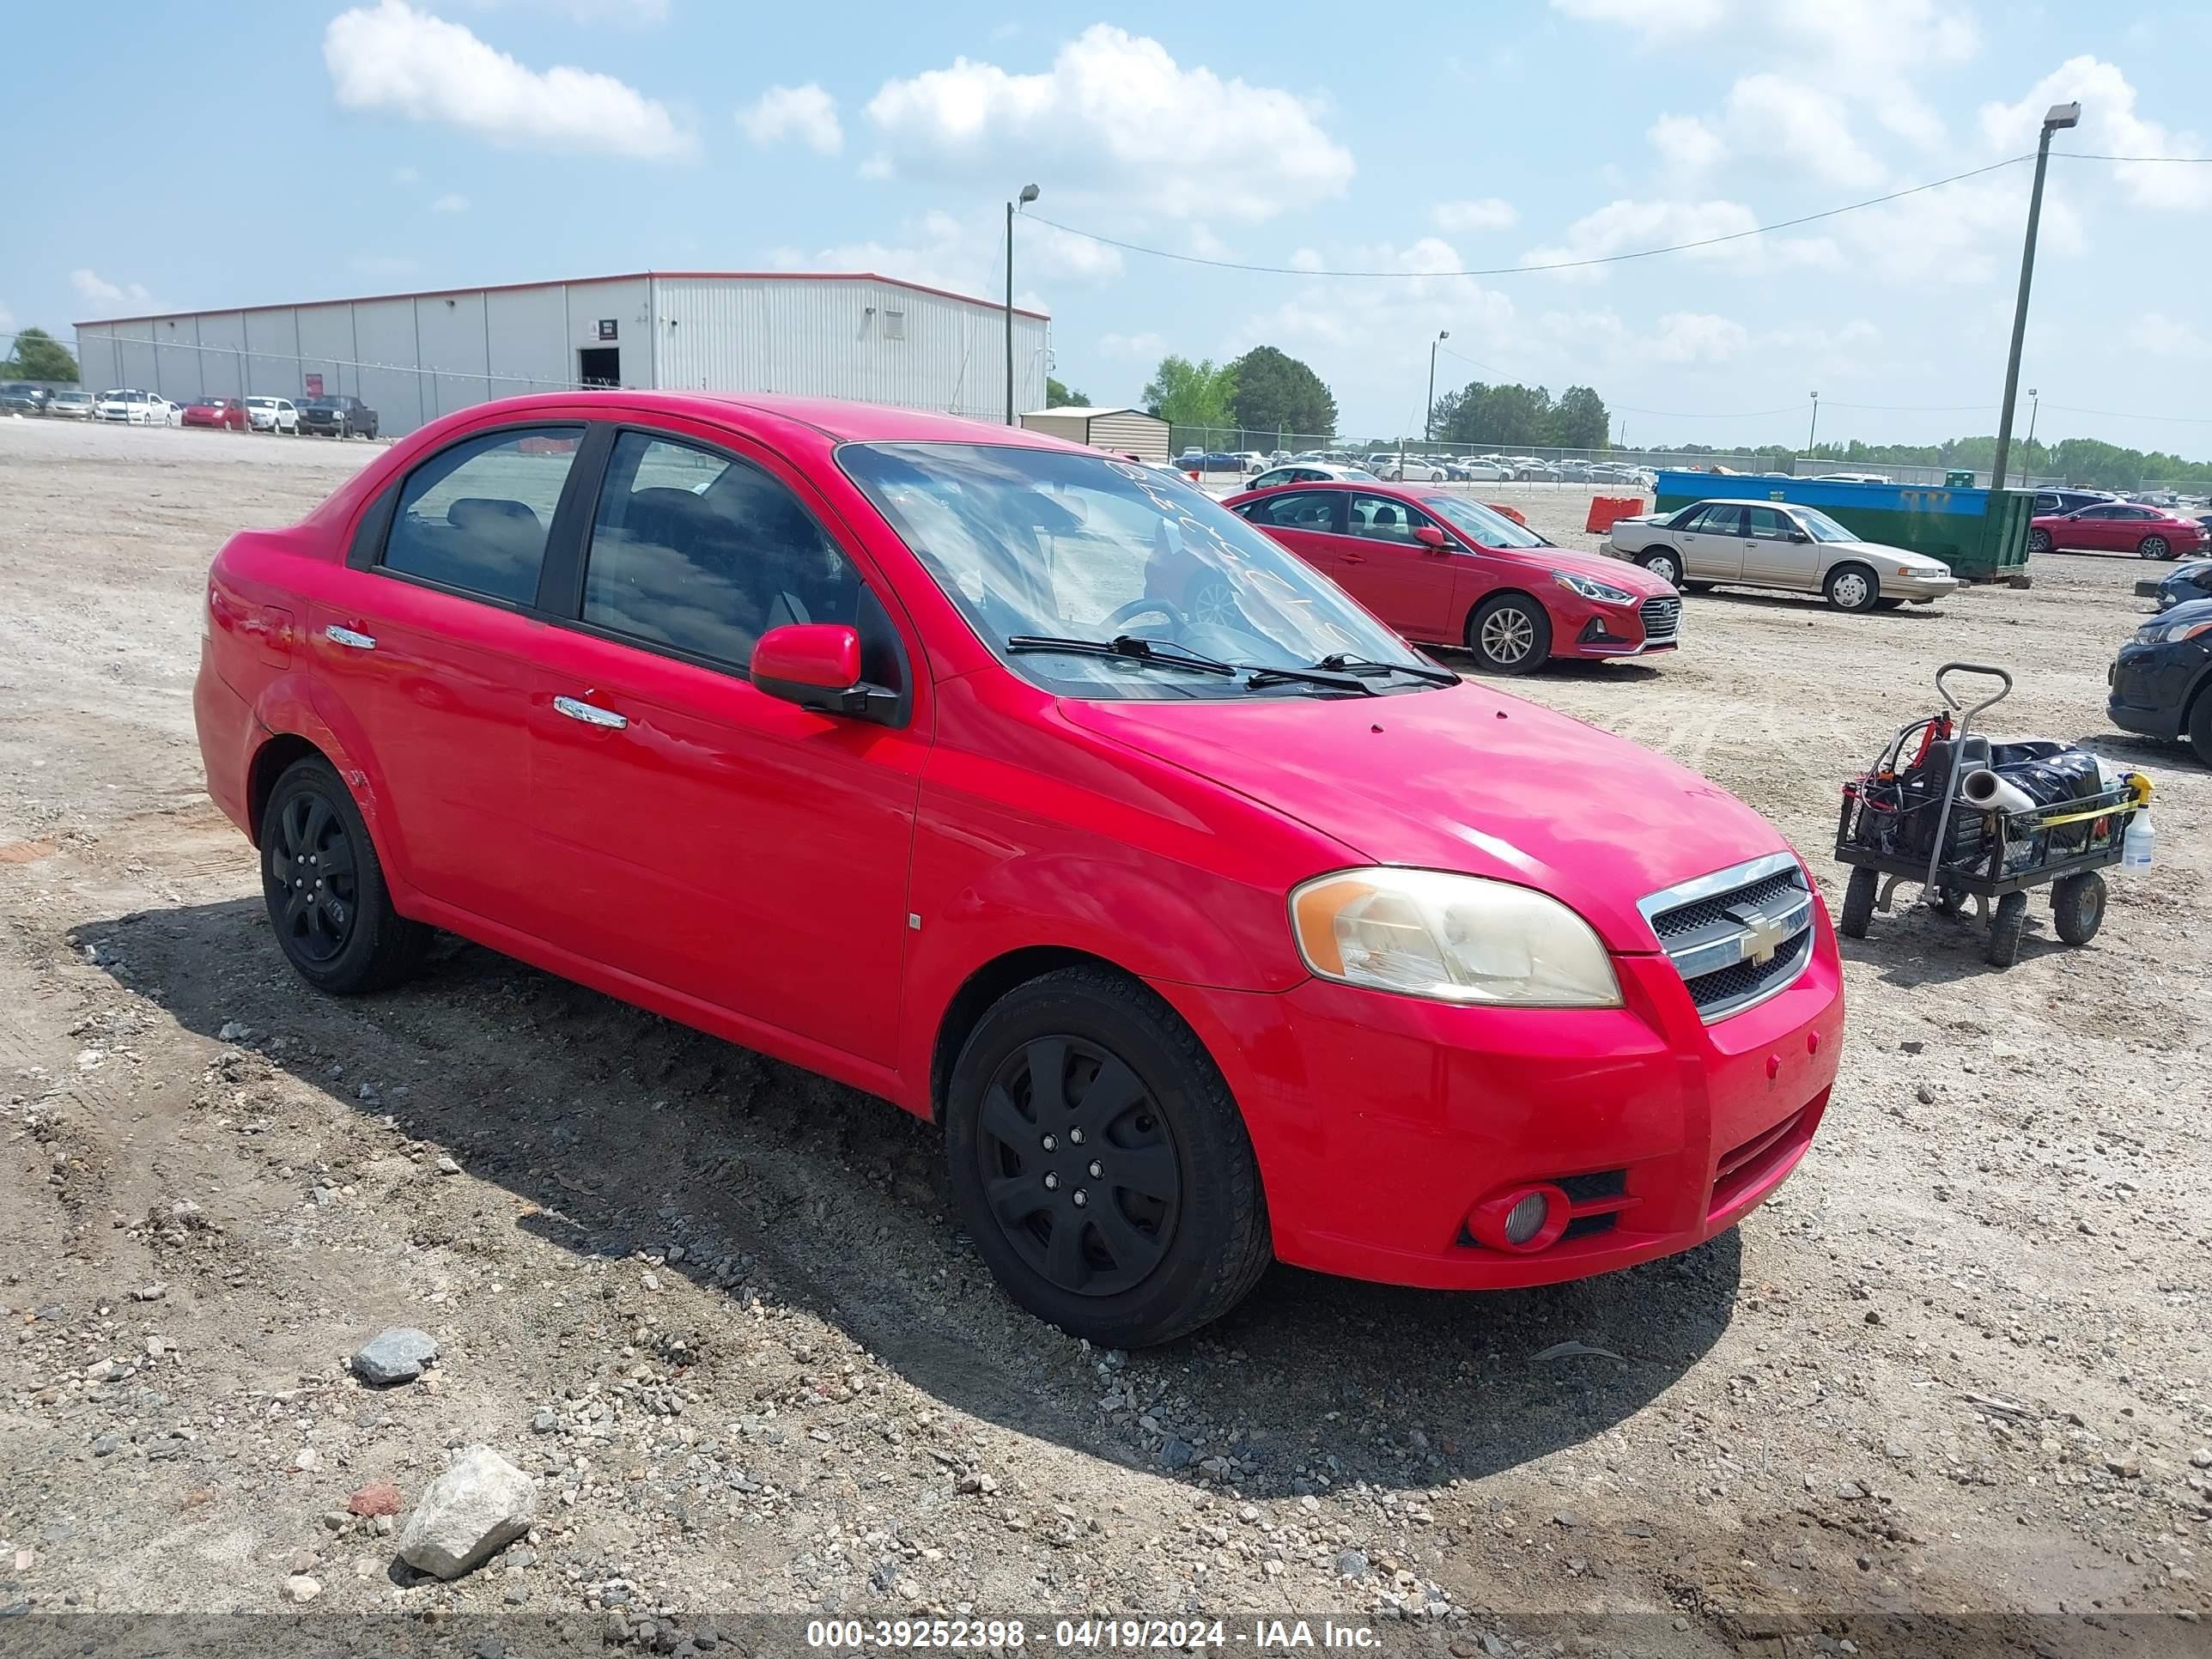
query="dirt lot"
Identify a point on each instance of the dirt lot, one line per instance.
(1957, 1370)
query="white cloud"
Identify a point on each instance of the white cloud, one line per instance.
(1115, 119)
(1686, 144)
(2109, 124)
(967, 256)
(2157, 335)
(1480, 213)
(1206, 246)
(1648, 17)
(636, 13)
(96, 288)
(1146, 346)
(1626, 225)
(1772, 115)
(405, 176)
(806, 113)
(452, 202)
(1963, 233)
(1380, 332)
(390, 57)
(1601, 342)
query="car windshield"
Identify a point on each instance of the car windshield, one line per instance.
(1045, 543)
(1485, 526)
(1821, 527)
(262, 403)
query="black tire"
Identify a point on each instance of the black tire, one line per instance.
(2038, 541)
(1664, 562)
(2155, 547)
(1889, 604)
(1852, 587)
(1138, 1267)
(1510, 634)
(1950, 902)
(2077, 906)
(351, 940)
(1695, 587)
(2005, 930)
(1858, 903)
(2200, 727)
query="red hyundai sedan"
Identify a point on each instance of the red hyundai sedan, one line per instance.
(1446, 571)
(873, 740)
(217, 412)
(2118, 527)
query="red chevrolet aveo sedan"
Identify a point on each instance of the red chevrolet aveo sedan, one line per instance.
(1447, 571)
(870, 739)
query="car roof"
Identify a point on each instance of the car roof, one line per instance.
(854, 423)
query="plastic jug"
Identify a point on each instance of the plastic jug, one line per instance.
(2135, 846)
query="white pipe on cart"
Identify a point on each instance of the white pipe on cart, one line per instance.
(1985, 790)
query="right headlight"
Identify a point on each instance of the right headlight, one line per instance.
(1457, 939)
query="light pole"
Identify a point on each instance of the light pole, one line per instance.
(1429, 419)
(2057, 119)
(1029, 194)
(1814, 428)
(2034, 404)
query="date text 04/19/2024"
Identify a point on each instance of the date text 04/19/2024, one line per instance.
(1079, 1635)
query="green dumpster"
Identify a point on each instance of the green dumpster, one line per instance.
(1959, 477)
(1982, 534)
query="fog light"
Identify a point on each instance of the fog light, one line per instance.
(1525, 1219)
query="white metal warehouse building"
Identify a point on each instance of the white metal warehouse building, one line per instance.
(412, 357)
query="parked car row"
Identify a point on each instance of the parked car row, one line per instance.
(1211, 923)
(335, 415)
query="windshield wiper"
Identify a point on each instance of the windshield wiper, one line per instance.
(1123, 645)
(1342, 664)
(1267, 674)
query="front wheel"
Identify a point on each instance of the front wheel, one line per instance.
(1100, 1164)
(2077, 906)
(2155, 547)
(1858, 903)
(2038, 541)
(2005, 928)
(328, 904)
(1666, 566)
(1509, 635)
(1852, 588)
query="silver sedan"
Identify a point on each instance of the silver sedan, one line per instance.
(1777, 544)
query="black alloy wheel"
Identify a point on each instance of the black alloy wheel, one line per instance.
(2038, 541)
(1078, 1167)
(2155, 547)
(313, 876)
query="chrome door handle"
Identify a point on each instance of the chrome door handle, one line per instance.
(590, 713)
(348, 638)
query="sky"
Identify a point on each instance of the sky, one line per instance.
(245, 153)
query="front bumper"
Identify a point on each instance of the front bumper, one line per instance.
(1380, 1120)
(1918, 590)
(1648, 627)
(2150, 686)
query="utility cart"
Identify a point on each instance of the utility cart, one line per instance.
(1936, 808)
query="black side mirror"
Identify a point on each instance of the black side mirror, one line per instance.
(1799, 536)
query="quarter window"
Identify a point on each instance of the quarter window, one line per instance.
(475, 517)
(697, 550)
(1717, 521)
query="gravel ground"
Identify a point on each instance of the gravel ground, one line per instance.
(719, 1311)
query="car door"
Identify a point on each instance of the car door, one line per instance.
(1710, 543)
(693, 832)
(1773, 555)
(426, 637)
(1307, 521)
(1382, 563)
(2092, 529)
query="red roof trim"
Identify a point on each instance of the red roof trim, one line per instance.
(579, 282)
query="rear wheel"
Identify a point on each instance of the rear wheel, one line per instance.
(1664, 563)
(1100, 1164)
(1852, 588)
(2005, 928)
(2038, 541)
(2200, 727)
(2077, 906)
(1510, 634)
(328, 904)
(1858, 903)
(2155, 547)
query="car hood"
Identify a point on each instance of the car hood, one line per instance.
(1634, 577)
(1462, 778)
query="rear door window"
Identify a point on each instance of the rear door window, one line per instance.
(1297, 509)
(475, 517)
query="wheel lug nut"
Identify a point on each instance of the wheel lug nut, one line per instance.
(1096, 1168)
(1051, 1144)
(1080, 1200)
(1051, 1183)
(1075, 1137)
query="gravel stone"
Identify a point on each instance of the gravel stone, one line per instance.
(479, 1506)
(394, 1355)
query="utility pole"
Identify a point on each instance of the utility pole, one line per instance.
(1814, 428)
(2057, 119)
(1429, 419)
(1028, 195)
(2034, 404)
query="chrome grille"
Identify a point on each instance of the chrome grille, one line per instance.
(1737, 936)
(1663, 620)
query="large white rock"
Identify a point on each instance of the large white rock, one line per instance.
(479, 1506)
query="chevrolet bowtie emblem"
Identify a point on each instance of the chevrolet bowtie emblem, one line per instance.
(1762, 937)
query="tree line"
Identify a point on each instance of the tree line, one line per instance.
(38, 356)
